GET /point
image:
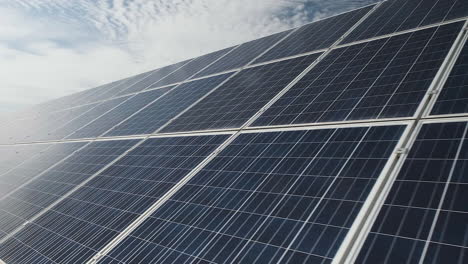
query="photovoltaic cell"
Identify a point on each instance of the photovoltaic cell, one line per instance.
(237, 100)
(243, 54)
(84, 222)
(453, 98)
(426, 207)
(318, 35)
(191, 68)
(385, 78)
(42, 191)
(123, 86)
(152, 78)
(398, 15)
(278, 197)
(160, 112)
(49, 155)
(37, 126)
(73, 125)
(118, 114)
(13, 155)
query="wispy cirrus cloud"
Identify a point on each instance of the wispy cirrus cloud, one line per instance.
(49, 48)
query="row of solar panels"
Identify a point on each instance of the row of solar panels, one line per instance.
(376, 192)
(378, 79)
(286, 196)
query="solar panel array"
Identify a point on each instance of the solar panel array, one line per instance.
(341, 141)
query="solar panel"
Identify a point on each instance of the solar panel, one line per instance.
(152, 78)
(398, 15)
(385, 78)
(243, 54)
(315, 36)
(278, 197)
(453, 98)
(118, 114)
(75, 124)
(24, 203)
(89, 218)
(424, 217)
(191, 68)
(163, 110)
(237, 100)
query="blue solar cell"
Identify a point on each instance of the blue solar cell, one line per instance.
(398, 15)
(118, 114)
(237, 100)
(163, 110)
(318, 35)
(73, 125)
(426, 207)
(42, 191)
(192, 67)
(243, 54)
(87, 220)
(385, 78)
(272, 197)
(453, 99)
(152, 77)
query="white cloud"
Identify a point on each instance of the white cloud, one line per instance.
(49, 48)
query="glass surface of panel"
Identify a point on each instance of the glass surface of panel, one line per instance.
(25, 202)
(385, 78)
(83, 223)
(238, 99)
(163, 110)
(243, 54)
(398, 15)
(278, 197)
(453, 98)
(118, 114)
(315, 36)
(426, 207)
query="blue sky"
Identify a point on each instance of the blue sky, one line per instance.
(50, 48)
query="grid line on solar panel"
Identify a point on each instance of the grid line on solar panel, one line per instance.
(111, 118)
(189, 70)
(385, 78)
(318, 35)
(267, 168)
(108, 203)
(241, 97)
(243, 54)
(423, 210)
(453, 96)
(160, 112)
(35, 198)
(399, 15)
